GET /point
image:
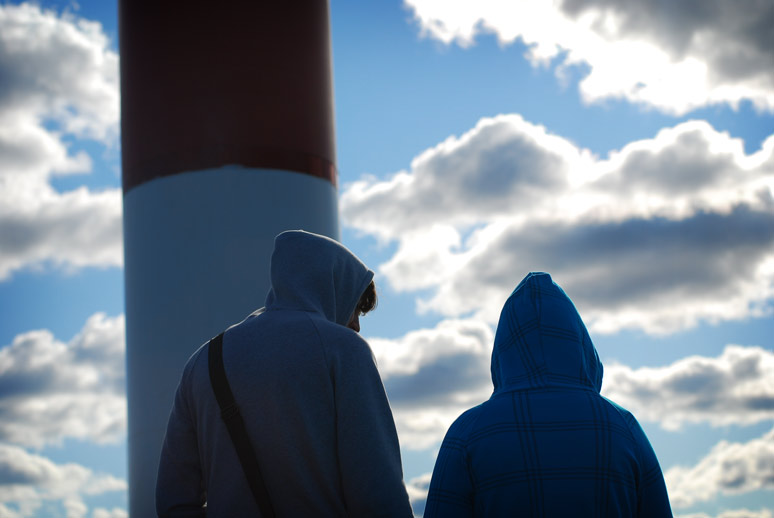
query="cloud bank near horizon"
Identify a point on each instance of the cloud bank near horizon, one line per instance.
(433, 375)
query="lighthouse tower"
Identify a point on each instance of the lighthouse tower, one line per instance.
(227, 140)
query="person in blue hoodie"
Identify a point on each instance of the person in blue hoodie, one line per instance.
(309, 392)
(546, 443)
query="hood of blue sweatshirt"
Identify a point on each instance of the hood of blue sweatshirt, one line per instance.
(314, 273)
(541, 340)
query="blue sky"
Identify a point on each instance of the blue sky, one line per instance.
(628, 151)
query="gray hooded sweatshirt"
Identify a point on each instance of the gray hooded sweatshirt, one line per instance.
(311, 397)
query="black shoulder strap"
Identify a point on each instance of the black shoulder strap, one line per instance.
(229, 411)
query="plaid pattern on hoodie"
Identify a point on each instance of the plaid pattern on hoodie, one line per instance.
(546, 444)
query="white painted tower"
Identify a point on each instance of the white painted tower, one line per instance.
(227, 140)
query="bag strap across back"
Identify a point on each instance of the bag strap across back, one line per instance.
(229, 411)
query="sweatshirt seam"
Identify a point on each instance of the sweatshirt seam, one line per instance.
(188, 382)
(323, 351)
(627, 418)
(624, 415)
(466, 433)
(320, 342)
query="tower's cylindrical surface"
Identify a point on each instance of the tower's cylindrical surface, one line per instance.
(227, 140)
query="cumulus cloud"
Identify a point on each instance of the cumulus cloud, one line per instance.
(685, 219)
(50, 390)
(417, 489)
(729, 468)
(433, 375)
(502, 164)
(736, 387)
(60, 81)
(674, 57)
(27, 481)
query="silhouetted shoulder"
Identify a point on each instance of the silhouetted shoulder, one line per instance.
(465, 425)
(338, 340)
(627, 419)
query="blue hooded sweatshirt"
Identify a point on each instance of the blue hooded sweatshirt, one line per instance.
(546, 443)
(311, 397)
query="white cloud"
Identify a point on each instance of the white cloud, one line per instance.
(59, 67)
(503, 166)
(417, 489)
(433, 375)
(27, 481)
(675, 57)
(729, 468)
(7, 512)
(685, 219)
(60, 81)
(736, 387)
(50, 390)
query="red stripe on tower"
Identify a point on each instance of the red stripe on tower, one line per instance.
(205, 84)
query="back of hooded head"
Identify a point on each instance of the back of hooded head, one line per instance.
(541, 340)
(310, 272)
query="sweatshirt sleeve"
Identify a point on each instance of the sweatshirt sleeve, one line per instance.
(369, 453)
(652, 498)
(179, 486)
(451, 488)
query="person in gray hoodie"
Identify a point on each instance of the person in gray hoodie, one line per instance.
(309, 392)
